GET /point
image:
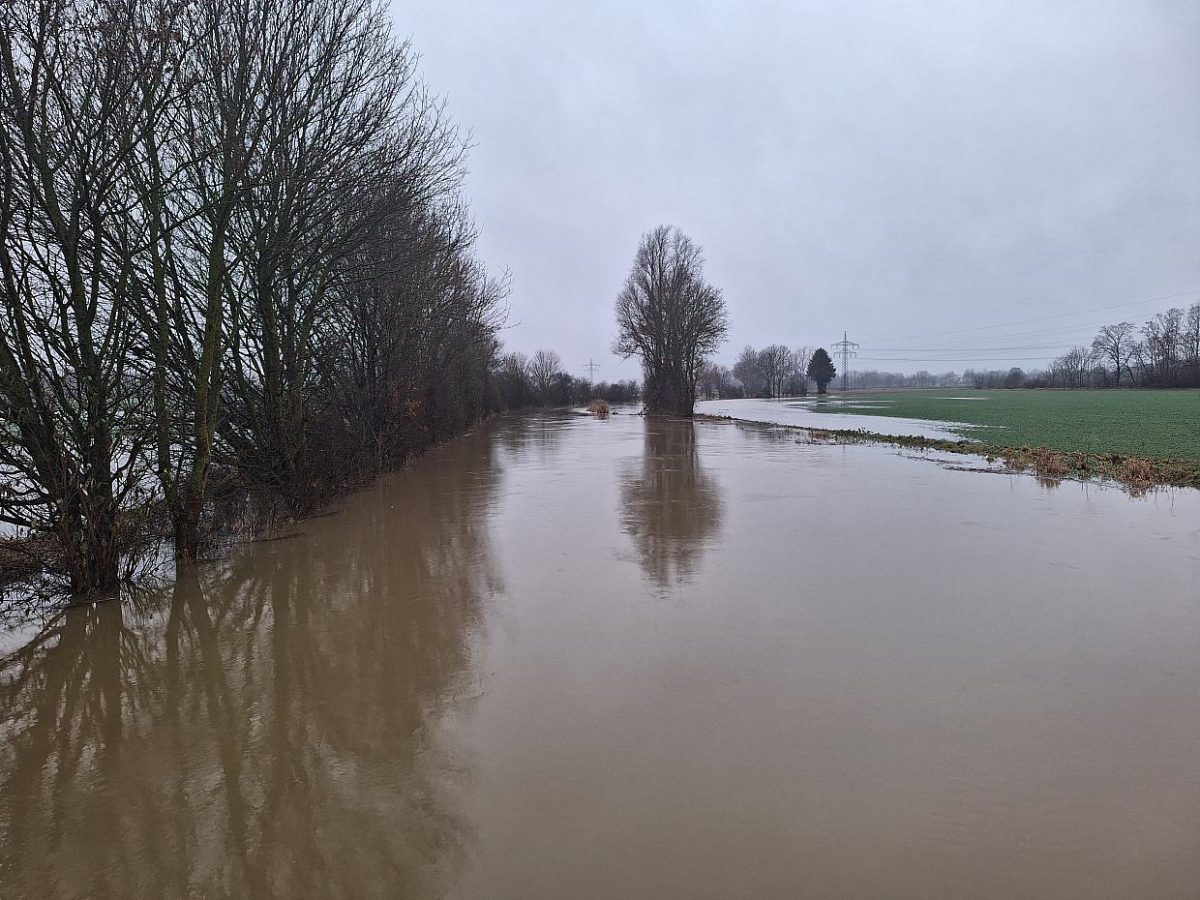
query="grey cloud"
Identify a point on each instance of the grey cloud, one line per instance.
(887, 168)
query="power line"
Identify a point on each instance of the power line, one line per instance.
(871, 349)
(1080, 312)
(964, 359)
(591, 369)
(1061, 332)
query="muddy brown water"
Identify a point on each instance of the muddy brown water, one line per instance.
(564, 657)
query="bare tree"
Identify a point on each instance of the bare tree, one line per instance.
(72, 449)
(715, 381)
(669, 317)
(776, 364)
(1191, 342)
(748, 372)
(214, 143)
(1115, 343)
(802, 356)
(1163, 337)
(1071, 370)
(544, 366)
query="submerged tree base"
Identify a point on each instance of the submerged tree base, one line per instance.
(1136, 473)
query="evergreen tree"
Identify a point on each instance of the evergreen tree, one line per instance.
(821, 369)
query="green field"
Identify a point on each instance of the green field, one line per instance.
(1131, 422)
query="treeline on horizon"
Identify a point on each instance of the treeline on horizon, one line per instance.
(1163, 352)
(236, 272)
(539, 380)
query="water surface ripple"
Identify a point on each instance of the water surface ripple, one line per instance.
(633, 658)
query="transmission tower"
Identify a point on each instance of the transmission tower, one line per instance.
(847, 348)
(591, 369)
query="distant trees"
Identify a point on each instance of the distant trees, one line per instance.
(627, 391)
(748, 372)
(1163, 352)
(717, 382)
(669, 317)
(1114, 343)
(519, 383)
(512, 381)
(821, 369)
(1072, 369)
(776, 363)
(774, 371)
(232, 247)
(874, 378)
(1161, 347)
(1190, 343)
(545, 365)
(800, 360)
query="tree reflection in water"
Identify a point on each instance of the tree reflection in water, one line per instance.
(669, 507)
(265, 727)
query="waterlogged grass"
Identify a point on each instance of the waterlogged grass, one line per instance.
(1157, 424)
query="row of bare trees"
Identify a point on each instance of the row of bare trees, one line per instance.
(232, 250)
(1163, 352)
(774, 371)
(523, 381)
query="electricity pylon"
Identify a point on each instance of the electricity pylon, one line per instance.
(847, 348)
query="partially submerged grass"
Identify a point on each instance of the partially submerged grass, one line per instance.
(1135, 423)
(1137, 473)
(598, 408)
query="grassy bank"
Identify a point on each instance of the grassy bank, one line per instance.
(1136, 473)
(1160, 424)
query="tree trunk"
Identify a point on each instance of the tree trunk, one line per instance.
(669, 400)
(91, 552)
(186, 524)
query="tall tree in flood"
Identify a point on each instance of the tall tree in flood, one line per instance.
(669, 317)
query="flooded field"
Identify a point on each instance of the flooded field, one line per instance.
(565, 657)
(835, 414)
(1150, 423)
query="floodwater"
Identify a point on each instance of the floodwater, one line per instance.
(824, 413)
(564, 657)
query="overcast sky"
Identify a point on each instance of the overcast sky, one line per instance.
(905, 171)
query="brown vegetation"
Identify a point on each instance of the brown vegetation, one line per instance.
(598, 408)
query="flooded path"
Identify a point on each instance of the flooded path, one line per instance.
(569, 657)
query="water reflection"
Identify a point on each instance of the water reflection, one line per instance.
(533, 436)
(263, 728)
(670, 507)
(353, 713)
